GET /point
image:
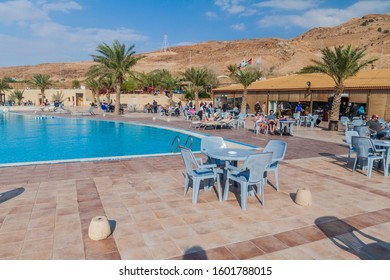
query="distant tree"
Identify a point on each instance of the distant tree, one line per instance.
(107, 86)
(171, 83)
(94, 86)
(245, 77)
(4, 85)
(76, 84)
(17, 95)
(131, 84)
(42, 82)
(232, 68)
(59, 96)
(198, 78)
(379, 29)
(339, 64)
(114, 62)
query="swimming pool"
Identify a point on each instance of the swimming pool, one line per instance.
(25, 139)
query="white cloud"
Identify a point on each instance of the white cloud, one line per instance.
(211, 14)
(63, 6)
(238, 27)
(288, 4)
(20, 11)
(325, 17)
(45, 40)
(231, 6)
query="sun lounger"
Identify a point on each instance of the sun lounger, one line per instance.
(196, 124)
(85, 113)
(227, 123)
(213, 124)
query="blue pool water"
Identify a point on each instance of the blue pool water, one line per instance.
(26, 139)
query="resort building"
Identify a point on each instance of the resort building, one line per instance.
(370, 89)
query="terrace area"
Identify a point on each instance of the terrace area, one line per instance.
(45, 210)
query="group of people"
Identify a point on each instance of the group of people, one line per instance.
(264, 121)
(353, 110)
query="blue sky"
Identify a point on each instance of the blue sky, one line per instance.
(42, 31)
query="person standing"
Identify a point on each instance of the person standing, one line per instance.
(263, 108)
(354, 110)
(155, 106)
(257, 107)
(298, 108)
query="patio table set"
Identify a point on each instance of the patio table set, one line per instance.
(222, 163)
(367, 149)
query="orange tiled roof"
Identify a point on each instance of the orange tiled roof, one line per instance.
(371, 79)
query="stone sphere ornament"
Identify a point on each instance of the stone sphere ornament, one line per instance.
(303, 197)
(99, 228)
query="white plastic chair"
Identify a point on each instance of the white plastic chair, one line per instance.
(366, 151)
(278, 149)
(211, 142)
(241, 120)
(198, 173)
(357, 122)
(251, 173)
(313, 120)
(364, 131)
(348, 140)
(297, 118)
(344, 121)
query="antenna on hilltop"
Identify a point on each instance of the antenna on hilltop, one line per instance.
(165, 46)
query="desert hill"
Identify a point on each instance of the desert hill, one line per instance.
(274, 56)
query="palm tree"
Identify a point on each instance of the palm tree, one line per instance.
(4, 85)
(339, 64)
(115, 62)
(94, 86)
(17, 95)
(245, 77)
(198, 78)
(171, 83)
(42, 82)
(59, 96)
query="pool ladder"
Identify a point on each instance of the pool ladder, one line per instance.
(176, 140)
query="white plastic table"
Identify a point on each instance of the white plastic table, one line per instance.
(228, 154)
(386, 145)
(289, 124)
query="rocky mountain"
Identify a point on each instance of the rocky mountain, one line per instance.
(273, 56)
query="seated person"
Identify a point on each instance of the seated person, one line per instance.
(228, 116)
(271, 120)
(217, 116)
(260, 121)
(149, 107)
(191, 111)
(177, 111)
(375, 127)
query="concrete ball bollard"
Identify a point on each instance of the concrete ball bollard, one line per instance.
(99, 228)
(303, 197)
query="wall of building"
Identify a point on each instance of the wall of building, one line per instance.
(70, 95)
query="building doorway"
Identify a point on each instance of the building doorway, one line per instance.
(79, 99)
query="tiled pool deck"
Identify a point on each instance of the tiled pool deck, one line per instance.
(143, 198)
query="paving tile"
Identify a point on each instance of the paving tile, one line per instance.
(74, 252)
(269, 244)
(244, 250)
